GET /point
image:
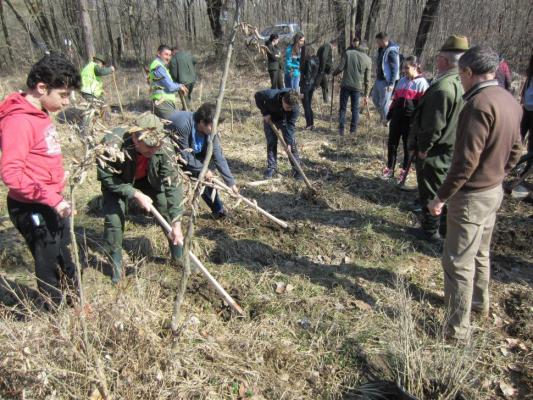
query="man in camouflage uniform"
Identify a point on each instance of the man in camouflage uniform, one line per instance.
(139, 165)
(432, 135)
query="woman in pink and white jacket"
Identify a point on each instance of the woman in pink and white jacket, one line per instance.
(407, 92)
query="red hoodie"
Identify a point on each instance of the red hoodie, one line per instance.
(31, 165)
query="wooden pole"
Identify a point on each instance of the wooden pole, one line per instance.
(291, 156)
(227, 189)
(118, 94)
(183, 101)
(197, 263)
(331, 106)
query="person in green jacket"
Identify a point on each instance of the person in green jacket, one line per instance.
(432, 134)
(356, 68)
(92, 87)
(182, 70)
(162, 88)
(139, 165)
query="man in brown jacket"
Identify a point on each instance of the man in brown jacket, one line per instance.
(487, 146)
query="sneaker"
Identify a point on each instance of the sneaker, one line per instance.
(269, 173)
(431, 237)
(310, 128)
(402, 176)
(220, 214)
(387, 173)
(297, 176)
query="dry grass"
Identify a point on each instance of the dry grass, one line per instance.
(346, 322)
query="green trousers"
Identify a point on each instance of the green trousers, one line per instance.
(114, 208)
(164, 109)
(430, 174)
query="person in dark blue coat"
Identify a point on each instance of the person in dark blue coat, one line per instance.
(190, 132)
(279, 106)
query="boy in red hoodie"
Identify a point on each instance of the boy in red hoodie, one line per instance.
(32, 168)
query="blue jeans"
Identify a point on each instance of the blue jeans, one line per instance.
(354, 96)
(272, 144)
(381, 98)
(292, 82)
(215, 206)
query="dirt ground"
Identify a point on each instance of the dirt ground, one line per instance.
(359, 299)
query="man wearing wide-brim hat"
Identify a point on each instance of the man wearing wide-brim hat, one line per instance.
(432, 135)
(91, 78)
(139, 164)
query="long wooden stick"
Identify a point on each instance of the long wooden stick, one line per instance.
(262, 182)
(183, 102)
(291, 156)
(197, 263)
(331, 106)
(118, 94)
(227, 189)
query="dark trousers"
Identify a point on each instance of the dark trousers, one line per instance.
(398, 129)
(526, 125)
(276, 78)
(353, 95)
(48, 237)
(272, 145)
(430, 174)
(307, 102)
(188, 98)
(323, 82)
(215, 204)
(114, 208)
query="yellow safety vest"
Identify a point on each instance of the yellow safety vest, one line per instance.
(90, 82)
(157, 92)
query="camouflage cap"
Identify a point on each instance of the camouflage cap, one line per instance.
(100, 57)
(151, 128)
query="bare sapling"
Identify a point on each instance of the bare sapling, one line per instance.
(180, 296)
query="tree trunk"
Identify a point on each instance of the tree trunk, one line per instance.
(372, 18)
(214, 10)
(23, 23)
(86, 30)
(109, 32)
(359, 17)
(160, 5)
(353, 6)
(426, 22)
(6, 32)
(340, 22)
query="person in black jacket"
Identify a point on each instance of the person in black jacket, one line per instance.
(310, 67)
(274, 61)
(279, 106)
(190, 132)
(325, 57)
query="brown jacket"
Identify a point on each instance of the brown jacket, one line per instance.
(488, 142)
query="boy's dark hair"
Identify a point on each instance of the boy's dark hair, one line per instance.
(175, 48)
(206, 113)
(382, 36)
(55, 71)
(162, 47)
(292, 98)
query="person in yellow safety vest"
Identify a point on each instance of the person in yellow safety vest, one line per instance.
(92, 87)
(162, 88)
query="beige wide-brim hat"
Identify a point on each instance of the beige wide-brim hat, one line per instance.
(455, 43)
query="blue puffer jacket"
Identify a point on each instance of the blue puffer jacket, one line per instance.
(391, 63)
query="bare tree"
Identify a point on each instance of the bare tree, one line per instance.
(372, 19)
(359, 17)
(86, 29)
(6, 31)
(340, 22)
(214, 11)
(426, 22)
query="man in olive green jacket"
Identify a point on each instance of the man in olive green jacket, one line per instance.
(432, 135)
(356, 68)
(182, 70)
(139, 165)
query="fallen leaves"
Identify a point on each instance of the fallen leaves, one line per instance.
(282, 287)
(507, 389)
